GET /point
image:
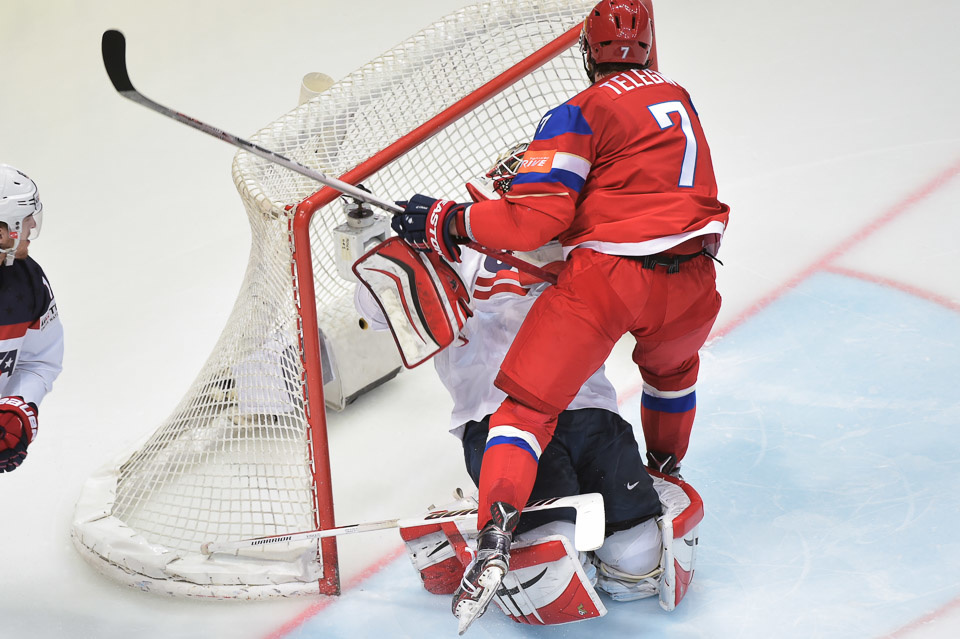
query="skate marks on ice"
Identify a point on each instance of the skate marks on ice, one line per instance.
(825, 454)
(824, 435)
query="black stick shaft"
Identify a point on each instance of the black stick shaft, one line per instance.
(113, 46)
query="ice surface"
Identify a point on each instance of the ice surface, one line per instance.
(825, 447)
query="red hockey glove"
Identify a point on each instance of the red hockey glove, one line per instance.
(18, 427)
(425, 225)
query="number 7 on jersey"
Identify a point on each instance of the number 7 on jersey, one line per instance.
(661, 113)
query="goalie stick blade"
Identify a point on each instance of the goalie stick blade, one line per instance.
(590, 525)
(113, 46)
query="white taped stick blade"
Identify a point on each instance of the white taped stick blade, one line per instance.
(418, 297)
(590, 517)
(591, 523)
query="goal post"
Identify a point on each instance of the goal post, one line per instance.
(245, 453)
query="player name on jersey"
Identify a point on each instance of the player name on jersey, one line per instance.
(635, 79)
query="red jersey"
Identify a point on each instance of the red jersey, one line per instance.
(623, 168)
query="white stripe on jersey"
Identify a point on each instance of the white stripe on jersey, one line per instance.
(649, 247)
(650, 390)
(573, 163)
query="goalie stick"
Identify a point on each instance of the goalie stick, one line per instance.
(113, 47)
(589, 527)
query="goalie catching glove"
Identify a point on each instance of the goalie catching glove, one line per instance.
(421, 297)
(18, 427)
(425, 225)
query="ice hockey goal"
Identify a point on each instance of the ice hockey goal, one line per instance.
(244, 454)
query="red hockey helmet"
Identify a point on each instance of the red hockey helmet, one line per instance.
(617, 31)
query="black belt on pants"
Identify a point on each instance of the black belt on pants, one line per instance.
(672, 262)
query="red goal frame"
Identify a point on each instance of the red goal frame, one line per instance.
(305, 290)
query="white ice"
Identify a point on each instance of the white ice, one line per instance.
(826, 441)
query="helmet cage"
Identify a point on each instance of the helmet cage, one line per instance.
(506, 167)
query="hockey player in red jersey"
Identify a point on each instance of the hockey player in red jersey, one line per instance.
(622, 174)
(31, 337)
(593, 450)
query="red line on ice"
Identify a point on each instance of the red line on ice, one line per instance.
(326, 601)
(930, 296)
(916, 624)
(826, 260)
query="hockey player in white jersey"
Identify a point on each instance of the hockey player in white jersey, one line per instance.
(31, 336)
(594, 450)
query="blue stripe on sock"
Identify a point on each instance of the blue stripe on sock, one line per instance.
(512, 441)
(670, 404)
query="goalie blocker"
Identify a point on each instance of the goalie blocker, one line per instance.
(549, 581)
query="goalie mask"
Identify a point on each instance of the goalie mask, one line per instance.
(20, 208)
(616, 32)
(497, 181)
(506, 167)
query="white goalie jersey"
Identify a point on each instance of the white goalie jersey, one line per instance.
(501, 297)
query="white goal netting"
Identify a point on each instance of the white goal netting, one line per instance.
(244, 454)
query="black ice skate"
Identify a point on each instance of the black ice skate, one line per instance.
(664, 463)
(492, 561)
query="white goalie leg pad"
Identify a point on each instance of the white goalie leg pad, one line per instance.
(680, 524)
(630, 562)
(548, 583)
(619, 576)
(422, 298)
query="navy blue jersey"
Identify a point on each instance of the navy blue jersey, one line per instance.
(31, 336)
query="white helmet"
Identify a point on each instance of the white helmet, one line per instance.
(19, 200)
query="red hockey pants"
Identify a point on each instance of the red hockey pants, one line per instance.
(567, 336)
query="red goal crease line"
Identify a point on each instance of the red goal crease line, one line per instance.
(327, 600)
(904, 632)
(826, 261)
(915, 291)
(903, 206)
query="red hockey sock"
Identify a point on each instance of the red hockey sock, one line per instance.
(507, 475)
(667, 419)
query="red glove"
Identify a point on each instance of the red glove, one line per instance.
(18, 427)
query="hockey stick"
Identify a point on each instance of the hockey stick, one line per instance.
(589, 527)
(113, 47)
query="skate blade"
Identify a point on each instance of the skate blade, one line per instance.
(468, 610)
